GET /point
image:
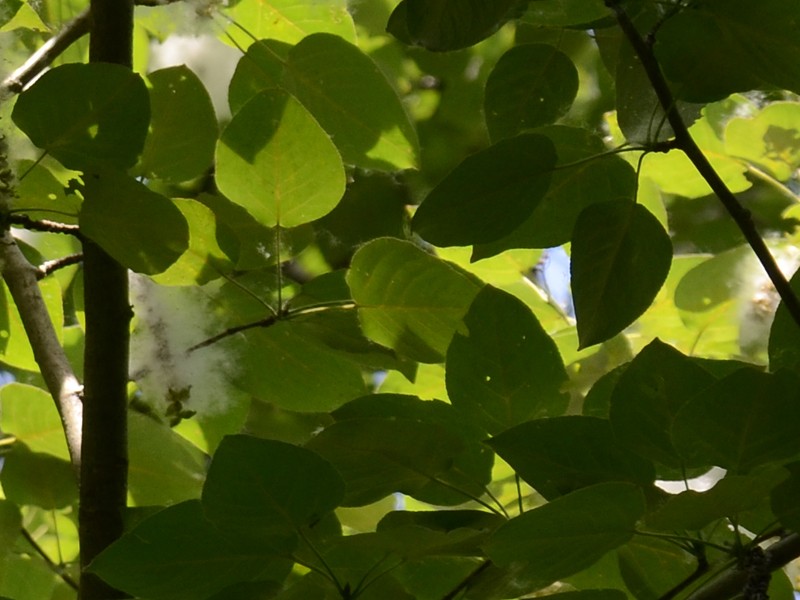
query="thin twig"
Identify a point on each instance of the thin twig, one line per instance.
(684, 141)
(270, 320)
(56, 568)
(50, 266)
(45, 225)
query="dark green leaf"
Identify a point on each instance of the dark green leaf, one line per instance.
(506, 370)
(183, 130)
(531, 85)
(471, 469)
(352, 100)
(758, 426)
(570, 533)
(409, 300)
(442, 25)
(38, 479)
(784, 336)
(10, 525)
(576, 183)
(296, 372)
(86, 115)
(589, 595)
(375, 458)
(564, 12)
(258, 488)
(560, 455)
(784, 498)
(698, 48)
(177, 554)
(652, 567)
(261, 68)
(450, 532)
(489, 193)
(142, 230)
(729, 497)
(28, 413)
(654, 386)
(277, 162)
(621, 256)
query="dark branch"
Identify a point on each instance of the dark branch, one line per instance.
(684, 141)
(271, 320)
(45, 225)
(57, 569)
(50, 266)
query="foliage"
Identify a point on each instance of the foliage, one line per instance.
(350, 373)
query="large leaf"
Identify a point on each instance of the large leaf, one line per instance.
(784, 336)
(649, 394)
(472, 467)
(30, 415)
(442, 25)
(38, 479)
(564, 12)
(760, 411)
(784, 498)
(183, 130)
(258, 488)
(259, 69)
(531, 85)
(652, 567)
(560, 455)
(489, 193)
(352, 100)
(620, 259)
(729, 497)
(86, 115)
(288, 20)
(570, 533)
(506, 370)
(177, 554)
(576, 183)
(10, 525)
(163, 467)
(409, 300)
(763, 45)
(379, 456)
(142, 230)
(277, 162)
(296, 372)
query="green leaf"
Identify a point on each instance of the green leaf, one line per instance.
(560, 455)
(590, 595)
(407, 299)
(38, 479)
(729, 497)
(570, 533)
(177, 554)
(86, 115)
(698, 47)
(30, 415)
(758, 428)
(558, 13)
(261, 68)
(489, 193)
(277, 162)
(531, 85)
(652, 567)
(648, 395)
(375, 458)
(203, 260)
(41, 190)
(352, 100)
(258, 488)
(784, 498)
(18, 352)
(784, 336)
(296, 372)
(288, 20)
(10, 526)
(506, 370)
(472, 468)
(575, 184)
(620, 259)
(443, 25)
(142, 230)
(163, 467)
(769, 139)
(183, 128)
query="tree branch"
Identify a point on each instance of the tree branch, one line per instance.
(44, 225)
(684, 141)
(49, 266)
(21, 278)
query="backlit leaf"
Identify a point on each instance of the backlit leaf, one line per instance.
(277, 162)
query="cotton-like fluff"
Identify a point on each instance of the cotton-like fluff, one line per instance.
(172, 380)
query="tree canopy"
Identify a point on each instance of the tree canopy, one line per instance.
(449, 299)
